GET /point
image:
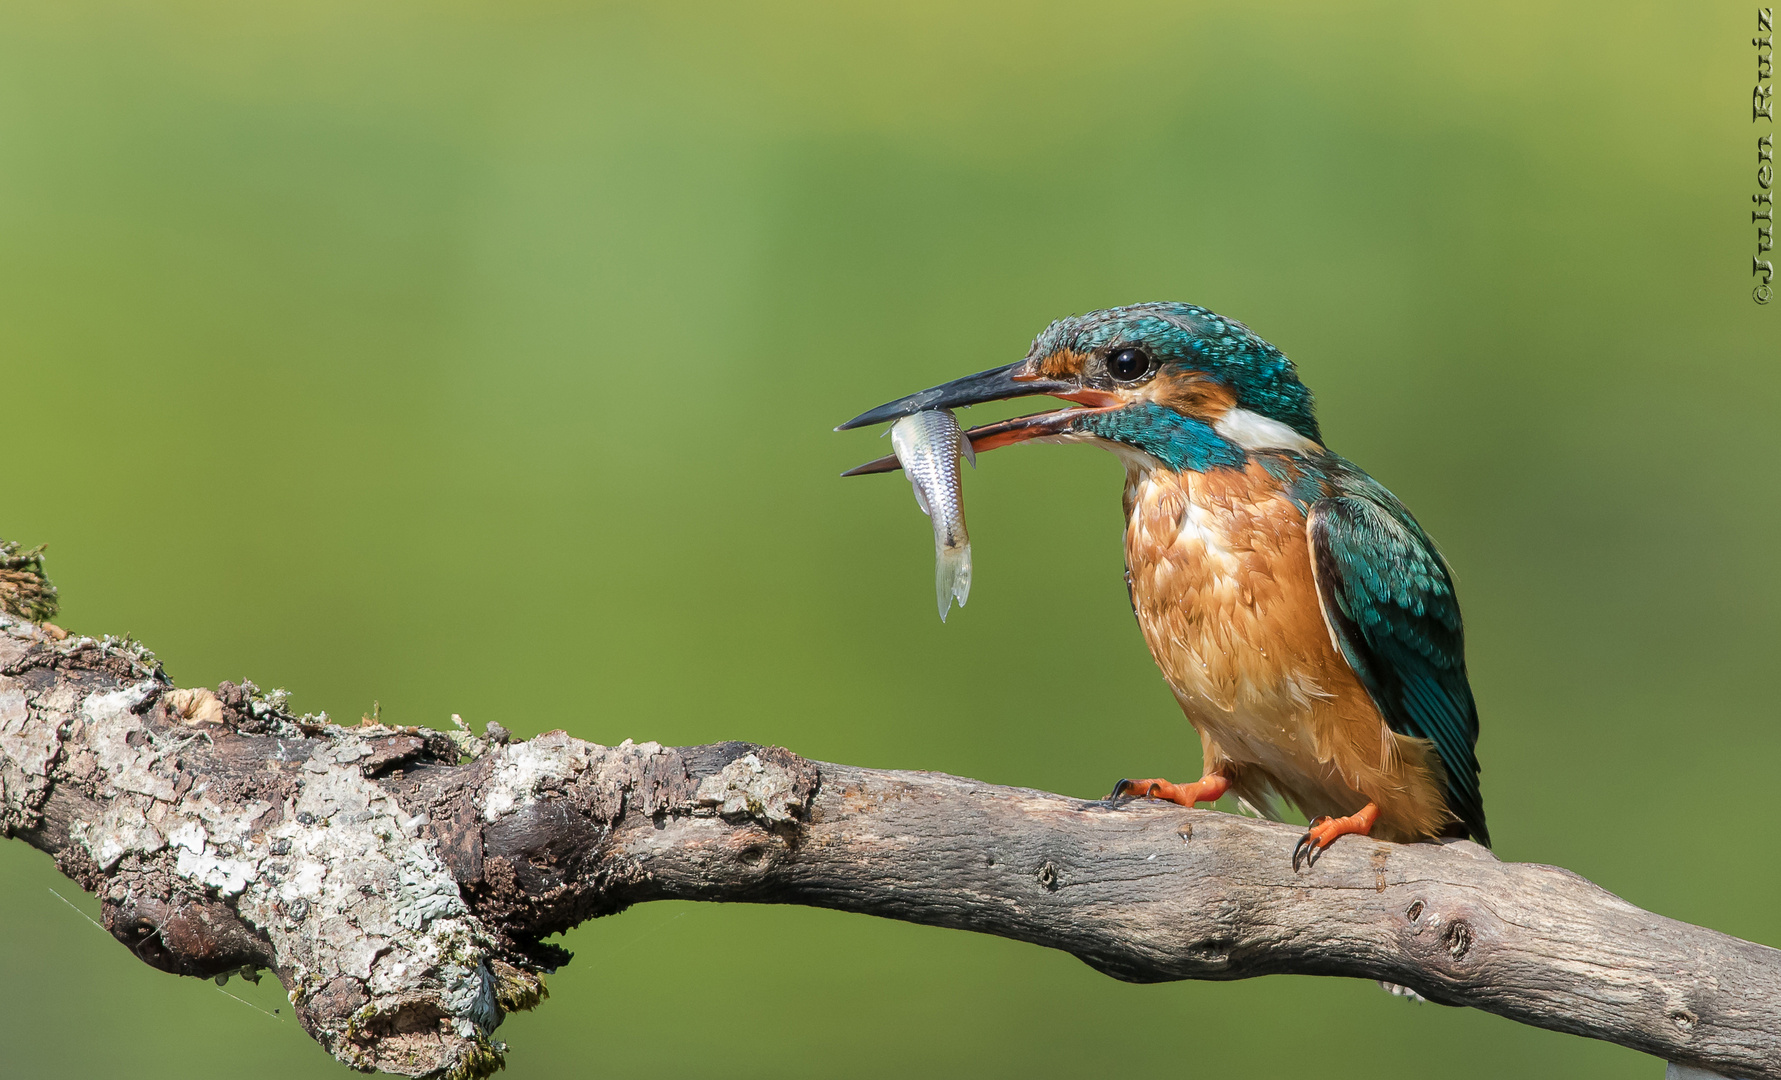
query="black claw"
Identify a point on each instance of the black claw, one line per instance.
(1307, 848)
(1126, 790)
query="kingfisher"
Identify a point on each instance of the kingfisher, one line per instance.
(1306, 623)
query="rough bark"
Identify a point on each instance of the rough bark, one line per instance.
(400, 881)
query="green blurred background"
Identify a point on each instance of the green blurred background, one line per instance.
(482, 359)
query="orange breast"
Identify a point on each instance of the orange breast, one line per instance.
(1222, 586)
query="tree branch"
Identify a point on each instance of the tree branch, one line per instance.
(400, 881)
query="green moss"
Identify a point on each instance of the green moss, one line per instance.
(517, 990)
(481, 1060)
(25, 590)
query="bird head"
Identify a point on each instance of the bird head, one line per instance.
(1168, 382)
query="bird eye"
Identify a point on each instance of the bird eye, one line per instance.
(1128, 364)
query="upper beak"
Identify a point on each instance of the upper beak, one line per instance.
(995, 384)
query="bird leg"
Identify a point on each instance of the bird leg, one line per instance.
(1323, 832)
(1206, 789)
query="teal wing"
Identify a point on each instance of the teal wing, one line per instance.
(1390, 606)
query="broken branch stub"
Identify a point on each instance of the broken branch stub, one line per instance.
(401, 881)
(400, 893)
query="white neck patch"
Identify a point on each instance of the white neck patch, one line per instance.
(1253, 431)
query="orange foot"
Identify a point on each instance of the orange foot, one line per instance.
(1324, 830)
(1206, 789)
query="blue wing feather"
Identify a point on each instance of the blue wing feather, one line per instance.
(1391, 607)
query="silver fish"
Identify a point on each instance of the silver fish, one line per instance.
(928, 445)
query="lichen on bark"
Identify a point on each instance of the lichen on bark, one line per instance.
(213, 849)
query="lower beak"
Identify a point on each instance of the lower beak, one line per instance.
(1058, 422)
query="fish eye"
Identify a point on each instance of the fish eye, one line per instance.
(1127, 365)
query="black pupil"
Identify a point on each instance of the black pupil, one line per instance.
(1128, 364)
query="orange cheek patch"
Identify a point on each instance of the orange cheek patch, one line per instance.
(1191, 393)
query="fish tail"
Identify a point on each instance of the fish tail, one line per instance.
(952, 575)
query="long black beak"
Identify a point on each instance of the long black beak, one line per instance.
(995, 384)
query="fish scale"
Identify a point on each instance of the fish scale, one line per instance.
(928, 445)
